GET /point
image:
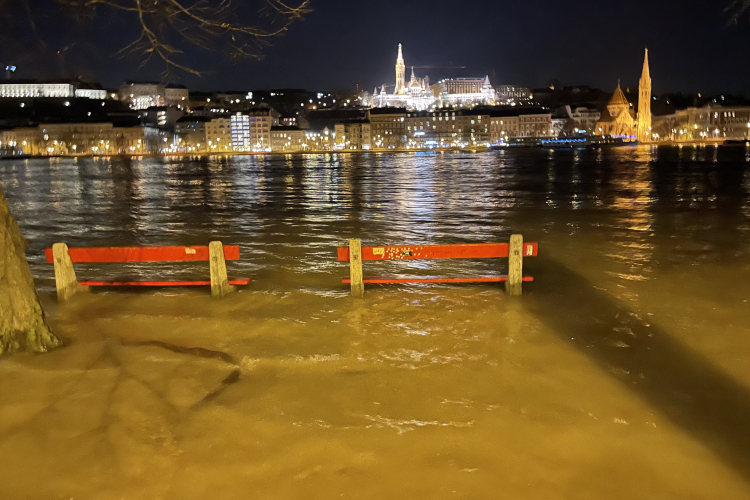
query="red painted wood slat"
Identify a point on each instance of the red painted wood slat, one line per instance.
(480, 279)
(144, 254)
(460, 251)
(243, 281)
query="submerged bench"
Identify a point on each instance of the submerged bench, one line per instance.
(515, 251)
(216, 253)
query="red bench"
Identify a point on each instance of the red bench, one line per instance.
(216, 253)
(516, 250)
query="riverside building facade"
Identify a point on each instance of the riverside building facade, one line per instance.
(447, 128)
(388, 128)
(287, 138)
(353, 134)
(71, 139)
(711, 122)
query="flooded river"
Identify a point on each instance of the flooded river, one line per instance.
(623, 372)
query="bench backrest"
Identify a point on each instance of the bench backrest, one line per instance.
(145, 254)
(460, 251)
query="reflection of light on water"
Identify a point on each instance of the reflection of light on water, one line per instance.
(746, 203)
(402, 426)
(632, 204)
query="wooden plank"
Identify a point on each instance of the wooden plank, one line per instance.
(219, 284)
(65, 276)
(479, 279)
(460, 251)
(355, 268)
(515, 266)
(240, 281)
(145, 254)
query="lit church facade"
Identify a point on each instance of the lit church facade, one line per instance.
(620, 121)
(419, 95)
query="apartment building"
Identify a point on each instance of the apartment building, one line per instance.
(82, 139)
(288, 139)
(447, 128)
(219, 135)
(709, 122)
(388, 128)
(354, 134)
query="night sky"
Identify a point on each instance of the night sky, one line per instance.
(693, 46)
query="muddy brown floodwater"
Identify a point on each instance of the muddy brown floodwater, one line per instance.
(623, 372)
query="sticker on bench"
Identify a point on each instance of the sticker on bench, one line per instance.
(379, 251)
(529, 250)
(190, 251)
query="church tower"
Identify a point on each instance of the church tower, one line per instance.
(644, 104)
(400, 70)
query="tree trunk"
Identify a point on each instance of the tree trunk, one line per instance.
(23, 326)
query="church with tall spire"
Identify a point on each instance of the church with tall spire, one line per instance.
(620, 120)
(400, 69)
(418, 94)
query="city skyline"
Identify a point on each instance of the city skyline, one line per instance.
(692, 44)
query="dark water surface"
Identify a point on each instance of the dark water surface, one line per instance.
(623, 372)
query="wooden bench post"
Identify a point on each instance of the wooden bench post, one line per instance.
(218, 267)
(65, 276)
(355, 268)
(513, 286)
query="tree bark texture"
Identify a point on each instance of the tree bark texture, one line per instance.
(23, 326)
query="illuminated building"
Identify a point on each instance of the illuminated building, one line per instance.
(447, 128)
(91, 93)
(240, 126)
(294, 121)
(618, 119)
(557, 126)
(581, 120)
(464, 91)
(644, 103)
(142, 95)
(21, 88)
(418, 94)
(288, 139)
(711, 122)
(511, 94)
(191, 132)
(261, 121)
(83, 139)
(219, 135)
(65, 89)
(177, 96)
(28, 140)
(319, 140)
(400, 73)
(414, 95)
(503, 128)
(517, 123)
(353, 134)
(388, 128)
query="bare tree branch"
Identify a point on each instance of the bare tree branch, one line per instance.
(165, 28)
(738, 8)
